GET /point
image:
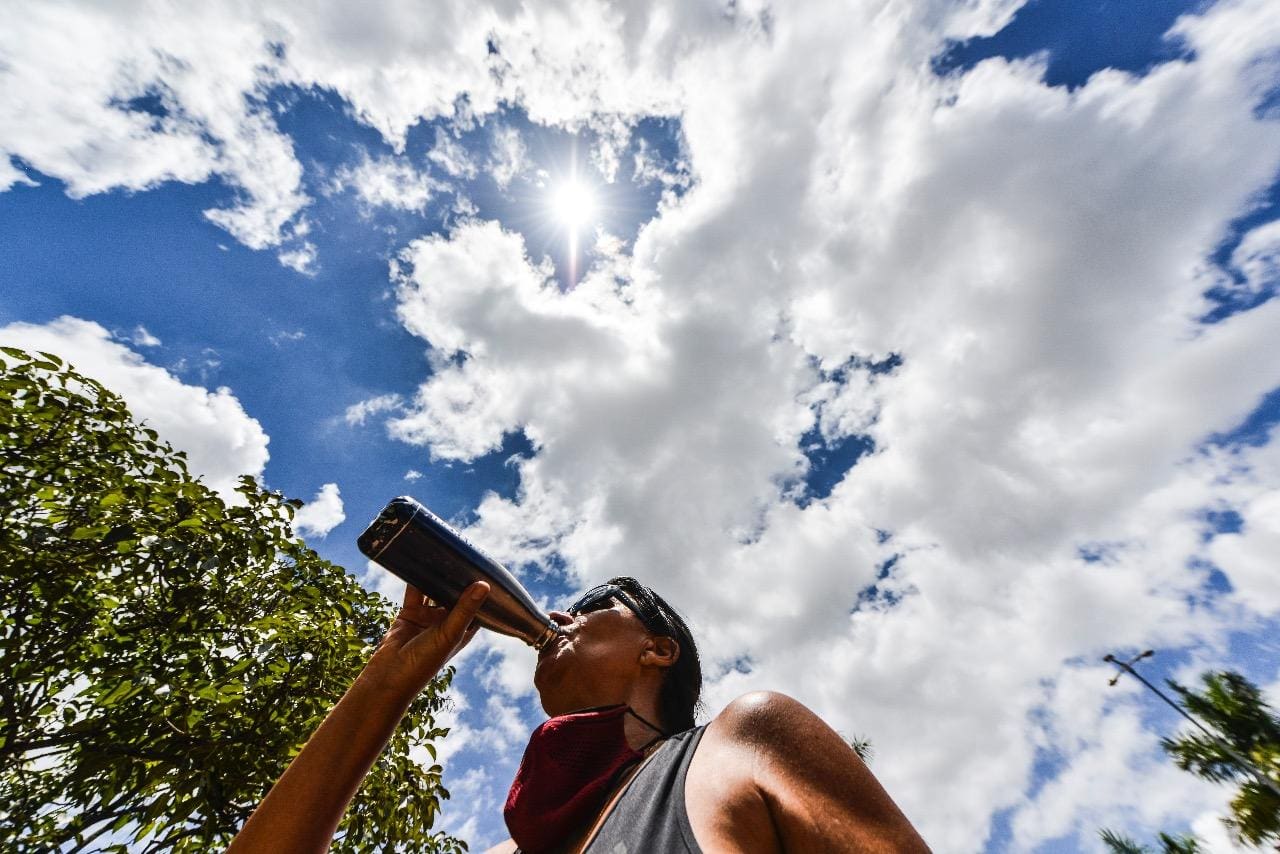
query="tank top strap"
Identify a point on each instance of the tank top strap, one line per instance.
(651, 816)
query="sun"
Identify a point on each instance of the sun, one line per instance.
(574, 204)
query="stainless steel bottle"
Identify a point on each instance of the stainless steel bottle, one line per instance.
(420, 547)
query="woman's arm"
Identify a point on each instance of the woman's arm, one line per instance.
(303, 809)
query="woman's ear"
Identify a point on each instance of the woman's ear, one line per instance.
(660, 652)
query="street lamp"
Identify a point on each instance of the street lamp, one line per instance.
(1127, 667)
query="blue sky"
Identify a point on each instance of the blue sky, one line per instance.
(921, 359)
(298, 349)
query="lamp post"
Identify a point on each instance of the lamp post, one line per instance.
(1127, 667)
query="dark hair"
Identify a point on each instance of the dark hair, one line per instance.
(682, 687)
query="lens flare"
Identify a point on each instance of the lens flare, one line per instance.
(574, 204)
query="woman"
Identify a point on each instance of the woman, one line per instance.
(619, 766)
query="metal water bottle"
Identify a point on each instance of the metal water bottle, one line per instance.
(420, 547)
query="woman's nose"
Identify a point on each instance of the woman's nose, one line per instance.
(560, 618)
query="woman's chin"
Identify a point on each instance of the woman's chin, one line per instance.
(542, 674)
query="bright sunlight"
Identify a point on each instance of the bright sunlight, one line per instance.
(574, 204)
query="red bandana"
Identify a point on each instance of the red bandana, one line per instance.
(568, 772)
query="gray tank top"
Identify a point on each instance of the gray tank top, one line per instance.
(650, 816)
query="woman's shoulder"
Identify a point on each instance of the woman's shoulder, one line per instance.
(763, 717)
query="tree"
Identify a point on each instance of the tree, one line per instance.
(861, 745)
(167, 652)
(1117, 843)
(1232, 706)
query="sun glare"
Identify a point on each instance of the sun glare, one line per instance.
(574, 204)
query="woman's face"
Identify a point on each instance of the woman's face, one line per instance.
(594, 662)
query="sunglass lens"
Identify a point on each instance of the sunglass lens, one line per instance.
(593, 600)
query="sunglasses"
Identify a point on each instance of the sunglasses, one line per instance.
(600, 598)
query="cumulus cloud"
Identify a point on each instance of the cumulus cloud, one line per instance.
(508, 155)
(388, 181)
(300, 259)
(1109, 762)
(142, 338)
(613, 136)
(471, 788)
(648, 168)
(1249, 557)
(11, 176)
(140, 97)
(131, 98)
(357, 413)
(381, 580)
(452, 156)
(321, 514)
(286, 336)
(460, 735)
(1258, 257)
(221, 440)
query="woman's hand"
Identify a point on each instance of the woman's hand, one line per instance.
(421, 640)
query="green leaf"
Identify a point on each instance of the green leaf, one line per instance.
(116, 694)
(144, 625)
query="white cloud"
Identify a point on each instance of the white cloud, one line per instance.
(1249, 557)
(460, 735)
(648, 168)
(70, 74)
(73, 76)
(388, 181)
(451, 156)
(380, 580)
(321, 514)
(357, 413)
(11, 175)
(468, 791)
(612, 138)
(509, 664)
(1094, 791)
(221, 441)
(509, 157)
(286, 336)
(142, 338)
(462, 209)
(412, 474)
(1215, 837)
(1258, 257)
(300, 259)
